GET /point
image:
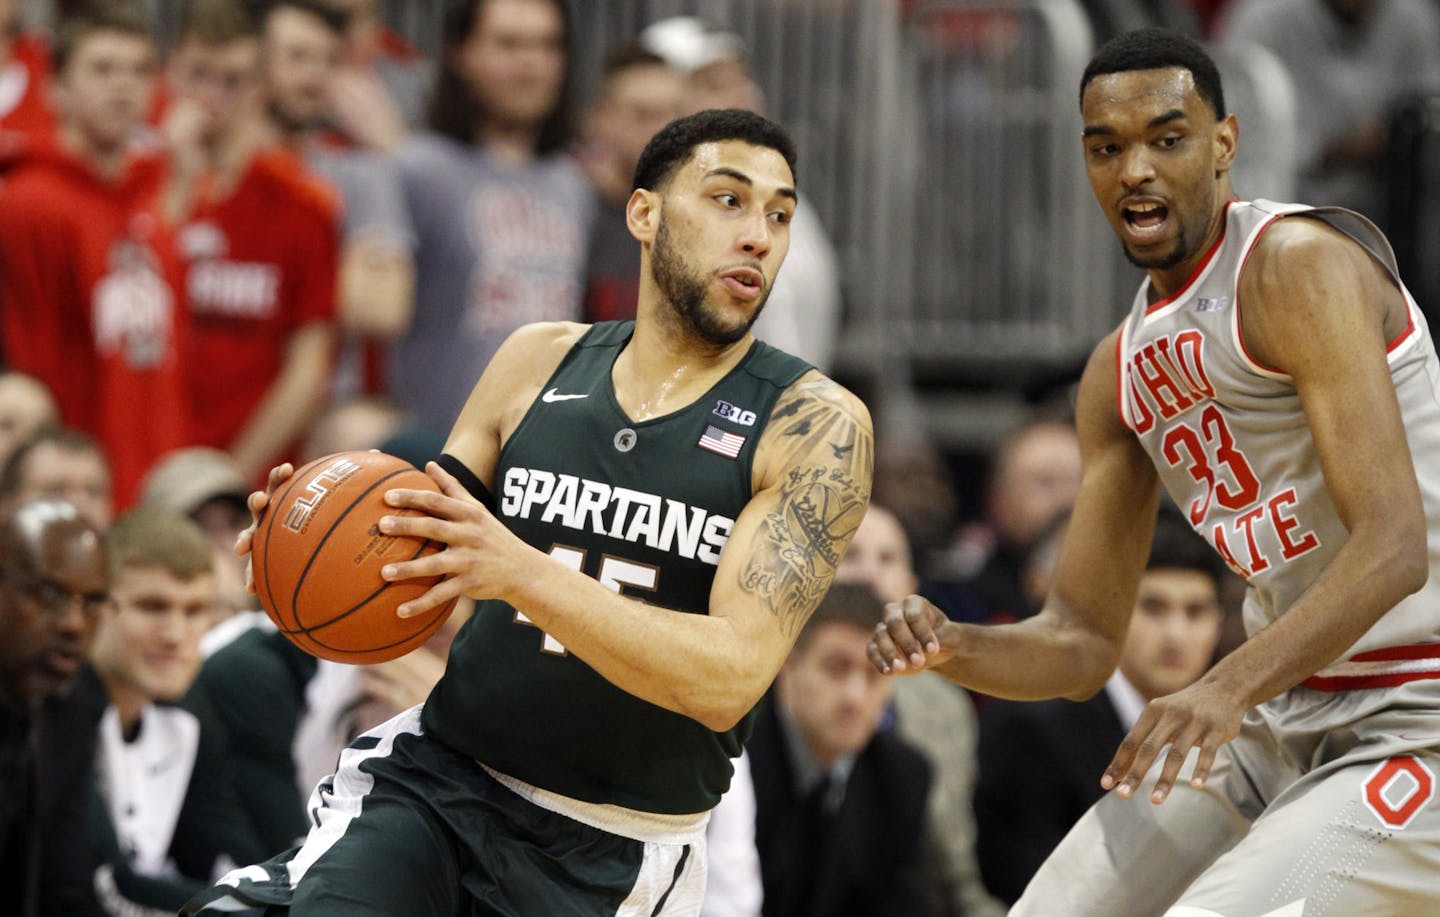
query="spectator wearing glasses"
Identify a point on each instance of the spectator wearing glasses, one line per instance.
(53, 585)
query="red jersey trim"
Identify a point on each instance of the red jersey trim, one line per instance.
(1120, 377)
(1418, 662)
(1401, 337)
(1199, 268)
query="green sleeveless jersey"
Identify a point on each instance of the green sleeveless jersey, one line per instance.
(644, 507)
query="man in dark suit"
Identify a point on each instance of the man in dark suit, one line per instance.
(840, 805)
(1040, 763)
(53, 586)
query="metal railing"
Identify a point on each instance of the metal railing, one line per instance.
(939, 144)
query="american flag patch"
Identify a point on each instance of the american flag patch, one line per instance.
(721, 441)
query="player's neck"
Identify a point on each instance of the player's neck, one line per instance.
(663, 370)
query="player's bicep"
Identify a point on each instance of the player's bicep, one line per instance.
(1314, 307)
(816, 459)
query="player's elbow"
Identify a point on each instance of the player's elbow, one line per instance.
(721, 719)
(720, 703)
(1094, 659)
(724, 709)
(1398, 542)
(1411, 563)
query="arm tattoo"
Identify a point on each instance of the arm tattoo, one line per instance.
(830, 452)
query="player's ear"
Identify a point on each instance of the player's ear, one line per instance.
(642, 214)
(1227, 136)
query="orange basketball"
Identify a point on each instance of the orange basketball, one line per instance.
(317, 556)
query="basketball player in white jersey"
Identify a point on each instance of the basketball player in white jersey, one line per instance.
(1275, 376)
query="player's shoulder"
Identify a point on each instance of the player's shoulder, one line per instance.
(1291, 249)
(541, 344)
(824, 395)
(817, 420)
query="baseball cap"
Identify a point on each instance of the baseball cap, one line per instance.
(186, 479)
(690, 43)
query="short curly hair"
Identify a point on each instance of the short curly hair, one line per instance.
(673, 144)
(1158, 49)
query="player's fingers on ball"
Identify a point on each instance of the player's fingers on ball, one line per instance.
(418, 526)
(435, 504)
(436, 564)
(257, 501)
(278, 475)
(434, 597)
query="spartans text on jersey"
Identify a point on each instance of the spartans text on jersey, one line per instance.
(618, 512)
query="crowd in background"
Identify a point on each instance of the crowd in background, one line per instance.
(289, 233)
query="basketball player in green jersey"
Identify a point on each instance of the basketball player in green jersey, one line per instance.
(1276, 377)
(648, 513)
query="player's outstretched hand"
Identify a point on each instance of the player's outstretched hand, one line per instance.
(1201, 716)
(913, 636)
(257, 501)
(481, 557)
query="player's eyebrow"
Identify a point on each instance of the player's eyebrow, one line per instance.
(1174, 114)
(783, 190)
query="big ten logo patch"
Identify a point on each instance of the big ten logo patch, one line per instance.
(735, 413)
(1397, 790)
(297, 517)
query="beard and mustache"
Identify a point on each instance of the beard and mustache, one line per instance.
(684, 287)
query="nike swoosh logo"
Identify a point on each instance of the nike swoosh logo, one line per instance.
(551, 397)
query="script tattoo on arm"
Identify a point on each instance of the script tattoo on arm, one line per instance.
(829, 452)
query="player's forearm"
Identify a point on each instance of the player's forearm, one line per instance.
(1035, 659)
(702, 666)
(1367, 577)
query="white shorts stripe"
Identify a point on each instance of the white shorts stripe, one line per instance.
(646, 827)
(334, 811)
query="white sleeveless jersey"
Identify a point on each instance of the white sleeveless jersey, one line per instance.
(1234, 450)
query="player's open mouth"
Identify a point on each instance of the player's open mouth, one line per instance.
(743, 283)
(1146, 219)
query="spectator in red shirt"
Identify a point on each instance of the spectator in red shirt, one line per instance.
(24, 78)
(256, 236)
(84, 298)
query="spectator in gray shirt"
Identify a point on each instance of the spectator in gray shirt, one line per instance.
(501, 213)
